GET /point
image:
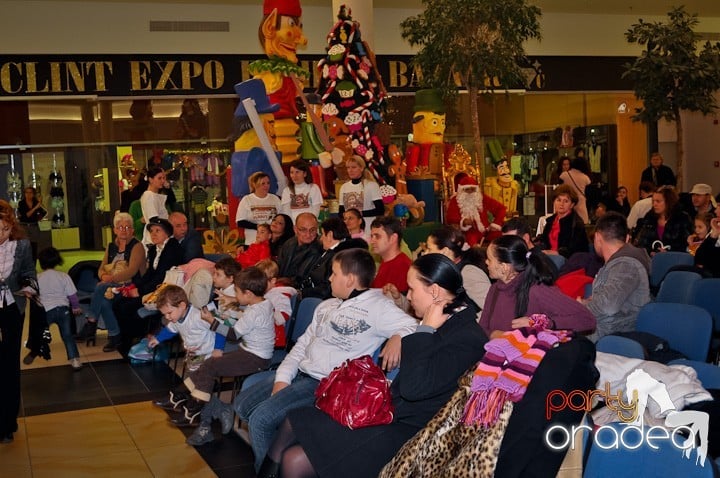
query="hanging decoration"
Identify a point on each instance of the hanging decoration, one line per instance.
(14, 182)
(57, 196)
(352, 90)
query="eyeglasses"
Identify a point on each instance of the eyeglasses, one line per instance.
(312, 230)
(123, 228)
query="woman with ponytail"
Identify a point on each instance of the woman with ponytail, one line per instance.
(524, 286)
(447, 341)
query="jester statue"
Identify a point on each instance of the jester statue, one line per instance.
(427, 153)
(503, 188)
(280, 35)
(250, 154)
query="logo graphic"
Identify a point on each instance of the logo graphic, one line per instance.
(639, 387)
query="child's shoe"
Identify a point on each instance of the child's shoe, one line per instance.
(76, 364)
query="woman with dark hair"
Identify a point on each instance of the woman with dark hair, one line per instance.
(334, 238)
(447, 342)
(577, 178)
(449, 241)
(621, 203)
(666, 227)
(355, 223)
(281, 229)
(17, 282)
(301, 195)
(524, 286)
(564, 231)
(153, 201)
(30, 209)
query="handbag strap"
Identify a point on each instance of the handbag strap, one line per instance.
(576, 186)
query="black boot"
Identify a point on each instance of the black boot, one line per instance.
(88, 333)
(269, 469)
(112, 344)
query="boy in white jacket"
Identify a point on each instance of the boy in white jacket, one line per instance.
(354, 323)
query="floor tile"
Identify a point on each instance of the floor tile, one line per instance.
(176, 460)
(226, 451)
(148, 426)
(86, 433)
(16, 471)
(246, 471)
(122, 464)
(16, 453)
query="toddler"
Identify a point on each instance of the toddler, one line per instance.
(280, 296)
(258, 250)
(702, 229)
(58, 296)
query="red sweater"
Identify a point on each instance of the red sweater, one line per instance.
(393, 271)
(254, 254)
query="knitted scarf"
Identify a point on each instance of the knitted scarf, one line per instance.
(506, 369)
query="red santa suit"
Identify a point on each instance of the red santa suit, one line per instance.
(469, 209)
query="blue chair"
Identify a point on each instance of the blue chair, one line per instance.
(615, 344)
(214, 257)
(665, 460)
(556, 259)
(707, 373)
(705, 293)
(376, 358)
(588, 290)
(662, 262)
(676, 286)
(687, 328)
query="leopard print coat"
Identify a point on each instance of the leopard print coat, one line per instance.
(448, 448)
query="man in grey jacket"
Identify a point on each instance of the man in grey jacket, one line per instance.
(621, 287)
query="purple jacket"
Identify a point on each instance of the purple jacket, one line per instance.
(499, 309)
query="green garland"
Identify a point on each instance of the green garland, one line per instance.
(280, 65)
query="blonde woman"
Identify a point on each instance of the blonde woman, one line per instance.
(258, 207)
(361, 192)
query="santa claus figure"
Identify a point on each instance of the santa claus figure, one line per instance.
(472, 211)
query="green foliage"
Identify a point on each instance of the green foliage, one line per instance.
(672, 73)
(477, 43)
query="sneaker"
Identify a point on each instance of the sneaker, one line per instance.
(202, 435)
(227, 419)
(29, 358)
(76, 364)
(190, 416)
(172, 401)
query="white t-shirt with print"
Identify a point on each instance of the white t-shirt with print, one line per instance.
(361, 197)
(257, 210)
(307, 198)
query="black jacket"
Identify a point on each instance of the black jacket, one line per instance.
(317, 282)
(663, 177)
(572, 238)
(171, 255)
(677, 230)
(295, 260)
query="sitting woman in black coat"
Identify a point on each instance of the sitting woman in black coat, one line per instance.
(564, 231)
(666, 226)
(446, 343)
(163, 253)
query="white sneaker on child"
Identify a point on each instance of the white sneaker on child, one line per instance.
(76, 364)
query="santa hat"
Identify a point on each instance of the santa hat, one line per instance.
(290, 8)
(468, 181)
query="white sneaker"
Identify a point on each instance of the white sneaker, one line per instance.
(76, 364)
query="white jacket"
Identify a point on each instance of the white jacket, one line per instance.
(343, 330)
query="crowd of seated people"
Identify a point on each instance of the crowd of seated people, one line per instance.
(434, 315)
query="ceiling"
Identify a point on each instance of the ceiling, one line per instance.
(704, 8)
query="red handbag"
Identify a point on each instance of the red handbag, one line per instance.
(356, 394)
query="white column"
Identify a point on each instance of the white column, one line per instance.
(362, 12)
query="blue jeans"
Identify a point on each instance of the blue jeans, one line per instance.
(62, 316)
(102, 307)
(265, 413)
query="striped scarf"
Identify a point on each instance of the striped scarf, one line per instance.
(505, 371)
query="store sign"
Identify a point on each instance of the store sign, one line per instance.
(160, 75)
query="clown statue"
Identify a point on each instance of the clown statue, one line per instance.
(280, 35)
(427, 153)
(470, 209)
(503, 187)
(249, 156)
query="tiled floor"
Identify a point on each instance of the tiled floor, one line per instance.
(99, 422)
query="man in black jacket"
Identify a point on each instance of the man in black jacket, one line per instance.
(298, 254)
(657, 173)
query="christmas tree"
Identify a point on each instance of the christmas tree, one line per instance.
(351, 89)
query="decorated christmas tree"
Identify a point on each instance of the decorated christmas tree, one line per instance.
(352, 90)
